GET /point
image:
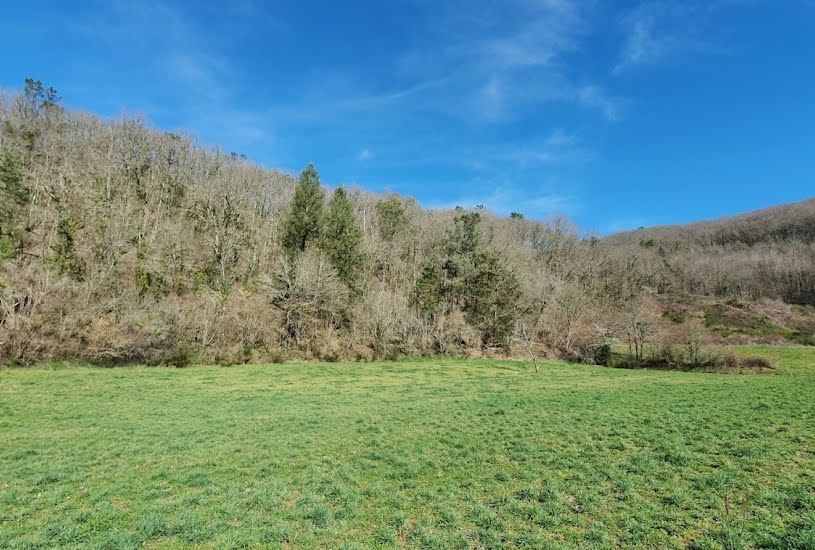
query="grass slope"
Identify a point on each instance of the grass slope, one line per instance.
(435, 454)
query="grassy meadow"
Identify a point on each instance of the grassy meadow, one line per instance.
(418, 454)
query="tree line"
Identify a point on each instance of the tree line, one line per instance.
(120, 243)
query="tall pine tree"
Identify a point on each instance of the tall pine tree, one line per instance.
(341, 238)
(304, 222)
(472, 278)
(391, 217)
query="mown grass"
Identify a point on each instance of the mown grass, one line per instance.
(432, 454)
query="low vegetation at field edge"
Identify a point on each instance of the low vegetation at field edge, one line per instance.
(426, 453)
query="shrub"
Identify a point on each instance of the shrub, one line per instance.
(721, 360)
(600, 354)
(181, 355)
(757, 363)
(623, 362)
(671, 357)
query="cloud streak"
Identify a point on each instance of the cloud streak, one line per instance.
(664, 29)
(190, 81)
(505, 199)
(477, 65)
(464, 73)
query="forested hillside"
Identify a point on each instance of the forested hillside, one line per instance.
(120, 243)
(768, 253)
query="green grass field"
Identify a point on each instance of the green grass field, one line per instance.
(430, 454)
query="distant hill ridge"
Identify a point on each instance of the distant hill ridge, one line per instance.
(786, 222)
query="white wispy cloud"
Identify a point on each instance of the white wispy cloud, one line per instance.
(512, 161)
(477, 65)
(505, 199)
(547, 30)
(491, 65)
(594, 97)
(559, 148)
(509, 64)
(189, 79)
(661, 29)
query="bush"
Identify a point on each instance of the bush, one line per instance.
(327, 346)
(623, 362)
(756, 363)
(310, 300)
(692, 358)
(724, 360)
(803, 337)
(602, 354)
(182, 355)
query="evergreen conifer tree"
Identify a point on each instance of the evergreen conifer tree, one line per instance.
(303, 224)
(473, 279)
(391, 217)
(341, 238)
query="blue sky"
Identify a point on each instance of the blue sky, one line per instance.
(615, 113)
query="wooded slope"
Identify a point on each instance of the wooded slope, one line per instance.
(120, 243)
